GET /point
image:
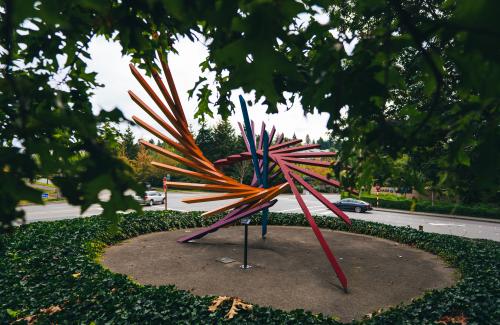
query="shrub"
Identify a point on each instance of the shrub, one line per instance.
(54, 264)
(400, 203)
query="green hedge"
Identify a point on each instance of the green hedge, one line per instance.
(53, 263)
(426, 206)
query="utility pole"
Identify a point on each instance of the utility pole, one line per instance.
(165, 192)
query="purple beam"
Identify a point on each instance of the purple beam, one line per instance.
(273, 176)
(299, 148)
(226, 221)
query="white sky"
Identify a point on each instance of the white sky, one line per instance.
(113, 71)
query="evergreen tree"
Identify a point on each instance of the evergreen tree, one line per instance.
(308, 139)
(131, 147)
(205, 140)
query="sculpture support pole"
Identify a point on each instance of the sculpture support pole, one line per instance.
(265, 179)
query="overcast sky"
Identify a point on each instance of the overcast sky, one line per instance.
(113, 71)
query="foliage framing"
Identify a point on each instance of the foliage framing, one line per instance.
(422, 79)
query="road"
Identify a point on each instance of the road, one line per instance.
(287, 203)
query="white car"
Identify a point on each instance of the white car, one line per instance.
(151, 198)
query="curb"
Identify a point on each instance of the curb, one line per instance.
(449, 216)
(45, 203)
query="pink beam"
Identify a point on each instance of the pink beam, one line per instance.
(299, 148)
(281, 137)
(246, 154)
(331, 258)
(259, 152)
(284, 144)
(271, 135)
(310, 154)
(322, 199)
(310, 162)
(242, 130)
(262, 129)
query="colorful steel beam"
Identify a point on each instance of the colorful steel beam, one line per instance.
(286, 157)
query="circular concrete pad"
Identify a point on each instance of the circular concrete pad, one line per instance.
(290, 270)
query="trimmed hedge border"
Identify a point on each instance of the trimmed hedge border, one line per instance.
(54, 264)
(439, 207)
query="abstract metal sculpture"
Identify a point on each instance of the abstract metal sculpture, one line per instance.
(269, 160)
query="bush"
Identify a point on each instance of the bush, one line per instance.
(400, 203)
(54, 264)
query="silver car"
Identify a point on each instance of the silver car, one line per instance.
(151, 198)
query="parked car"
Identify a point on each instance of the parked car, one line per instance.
(151, 198)
(349, 204)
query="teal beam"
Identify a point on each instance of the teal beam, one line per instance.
(251, 140)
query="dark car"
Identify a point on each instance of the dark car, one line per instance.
(353, 205)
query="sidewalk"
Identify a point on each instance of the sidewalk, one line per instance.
(430, 214)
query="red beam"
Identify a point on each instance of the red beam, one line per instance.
(322, 199)
(331, 258)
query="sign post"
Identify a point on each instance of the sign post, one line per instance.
(165, 191)
(378, 190)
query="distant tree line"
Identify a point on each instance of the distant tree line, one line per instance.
(405, 173)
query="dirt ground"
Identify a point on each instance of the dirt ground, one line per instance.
(289, 269)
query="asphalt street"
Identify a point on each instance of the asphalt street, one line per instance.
(287, 203)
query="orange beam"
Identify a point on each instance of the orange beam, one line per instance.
(153, 95)
(160, 135)
(176, 123)
(275, 191)
(190, 173)
(217, 197)
(210, 187)
(175, 104)
(171, 84)
(155, 116)
(247, 199)
(182, 160)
